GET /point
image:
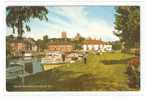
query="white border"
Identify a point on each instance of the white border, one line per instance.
(53, 3)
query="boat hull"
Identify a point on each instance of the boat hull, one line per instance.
(51, 66)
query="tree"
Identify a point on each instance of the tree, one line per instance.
(45, 38)
(45, 41)
(40, 45)
(78, 43)
(127, 25)
(18, 17)
(9, 39)
(116, 45)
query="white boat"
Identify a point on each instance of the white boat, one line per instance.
(28, 55)
(52, 58)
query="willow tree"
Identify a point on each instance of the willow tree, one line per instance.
(127, 25)
(19, 17)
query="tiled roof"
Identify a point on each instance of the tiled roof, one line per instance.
(23, 40)
(94, 42)
(59, 43)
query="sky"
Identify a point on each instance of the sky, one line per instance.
(90, 21)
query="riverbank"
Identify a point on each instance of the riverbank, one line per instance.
(104, 72)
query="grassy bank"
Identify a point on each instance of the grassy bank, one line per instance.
(104, 72)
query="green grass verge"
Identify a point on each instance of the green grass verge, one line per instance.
(104, 72)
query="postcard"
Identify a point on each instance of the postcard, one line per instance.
(73, 48)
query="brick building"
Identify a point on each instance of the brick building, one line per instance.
(63, 47)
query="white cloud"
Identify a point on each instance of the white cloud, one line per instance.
(80, 22)
(97, 28)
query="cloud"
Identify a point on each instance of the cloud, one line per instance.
(74, 20)
(80, 22)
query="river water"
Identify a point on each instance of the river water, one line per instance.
(34, 62)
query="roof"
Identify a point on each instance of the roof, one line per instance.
(23, 40)
(59, 43)
(94, 42)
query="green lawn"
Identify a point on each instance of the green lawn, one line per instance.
(104, 72)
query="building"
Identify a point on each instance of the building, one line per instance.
(63, 47)
(63, 35)
(96, 45)
(18, 46)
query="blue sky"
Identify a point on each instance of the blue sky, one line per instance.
(89, 21)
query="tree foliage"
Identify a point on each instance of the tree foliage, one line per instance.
(116, 45)
(18, 17)
(127, 25)
(78, 43)
(42, 44)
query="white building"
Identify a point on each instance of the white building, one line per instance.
(96, 45)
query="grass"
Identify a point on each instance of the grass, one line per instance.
(104, 72)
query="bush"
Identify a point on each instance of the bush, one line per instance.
(133, 72)
(116, 46)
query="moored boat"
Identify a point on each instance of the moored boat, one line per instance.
(52, 60)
